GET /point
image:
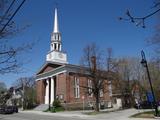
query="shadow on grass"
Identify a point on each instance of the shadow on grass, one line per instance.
(148, 114)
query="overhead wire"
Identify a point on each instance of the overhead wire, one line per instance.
(12, 16)
(7, 11)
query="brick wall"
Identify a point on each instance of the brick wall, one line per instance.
(65, 91)
(61, 86)
(40, 88)
(73, 102)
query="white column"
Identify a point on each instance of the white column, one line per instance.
(52, 46)
(57, 46)
(47, 92)
(60, 48)
(52, 90)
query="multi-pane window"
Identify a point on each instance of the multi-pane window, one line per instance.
(90, 88)
(101, 90)
(101, 93)
(76, 87)
(110, 88)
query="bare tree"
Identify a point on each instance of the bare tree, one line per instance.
(109, 58)
(130, 74)
(140, 21)
(8, 52)
(154, 40)
(94, 63)
(26, 85)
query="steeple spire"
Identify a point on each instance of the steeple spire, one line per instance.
(56, 35)
(56, 28)
(55, 54)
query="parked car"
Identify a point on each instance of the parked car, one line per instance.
(144, 105)
(2, 109)
(8, 109)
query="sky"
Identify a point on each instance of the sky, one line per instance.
(81, 22)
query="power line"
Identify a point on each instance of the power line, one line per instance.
(7, 11)
(12, 16)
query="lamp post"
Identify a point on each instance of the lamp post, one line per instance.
(144, 63)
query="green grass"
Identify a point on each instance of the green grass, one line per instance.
(58, 109)
(53, 110)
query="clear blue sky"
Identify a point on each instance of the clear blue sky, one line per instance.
(81, 22)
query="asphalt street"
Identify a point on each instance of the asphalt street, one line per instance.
(74, 115)
(30, 116)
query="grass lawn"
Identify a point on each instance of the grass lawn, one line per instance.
(148, 114)
(53, 110)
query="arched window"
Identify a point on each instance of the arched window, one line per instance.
(55, 46)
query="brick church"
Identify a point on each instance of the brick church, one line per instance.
(57, 79)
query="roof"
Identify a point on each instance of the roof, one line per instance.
(61, 69)
(46, 64)
(65, 68)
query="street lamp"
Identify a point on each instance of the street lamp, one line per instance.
(144, 63)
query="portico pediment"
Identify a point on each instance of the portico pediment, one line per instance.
(49, 66)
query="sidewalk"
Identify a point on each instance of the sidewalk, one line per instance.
(112, 115)
(62, 114)
(80, 113)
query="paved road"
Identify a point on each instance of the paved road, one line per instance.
(117, 115)
(29, 116)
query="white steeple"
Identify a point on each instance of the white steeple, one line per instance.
(56, 35)
(56, 54)
(56, 28)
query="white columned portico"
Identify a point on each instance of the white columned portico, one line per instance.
(47, 92)
(52, 90)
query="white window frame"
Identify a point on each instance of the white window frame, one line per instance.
(76, 87)
(101, 93)
(110, 88)
(90, 92)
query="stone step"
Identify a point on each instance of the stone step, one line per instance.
(41, 107)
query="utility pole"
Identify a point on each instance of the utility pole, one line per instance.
(144, 63)
(23, 90)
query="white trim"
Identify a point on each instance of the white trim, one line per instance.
(47, 92)
(51, 75)
(49, 62)
(101, 93)
(52, 90)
